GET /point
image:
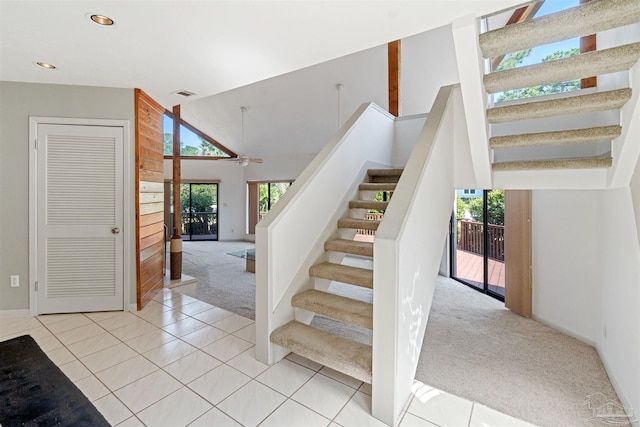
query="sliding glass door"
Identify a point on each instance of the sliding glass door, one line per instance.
(477, 236)
(198, 211)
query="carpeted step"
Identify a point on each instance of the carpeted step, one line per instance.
(368, 204)
(573, 136)
(348, 310)
(384, 175)
(343, 273)
(575, 67)
(377, 186)
(358, 224)
(600, 101)
(349, 357)
(583, 20)
(586, 163)
(353, 247)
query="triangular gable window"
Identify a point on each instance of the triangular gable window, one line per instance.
(193, 142)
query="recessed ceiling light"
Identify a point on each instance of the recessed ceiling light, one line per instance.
(46, 65)
(102, 20)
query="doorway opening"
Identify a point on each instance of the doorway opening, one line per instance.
(477, 241)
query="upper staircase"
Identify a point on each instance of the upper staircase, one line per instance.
(543, 133)
(342, 354)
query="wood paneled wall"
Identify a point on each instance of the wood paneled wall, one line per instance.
(149, 197)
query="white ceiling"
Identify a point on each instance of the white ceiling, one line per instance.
(219, 50)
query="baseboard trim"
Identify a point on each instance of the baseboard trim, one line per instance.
(635, 422)
(565, 331)
(15, 314)
(133, 308)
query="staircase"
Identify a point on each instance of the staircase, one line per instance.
(522, 150)
(344, 355)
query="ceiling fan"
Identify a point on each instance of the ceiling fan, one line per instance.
(243, 160)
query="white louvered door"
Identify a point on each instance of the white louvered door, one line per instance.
(79, 218)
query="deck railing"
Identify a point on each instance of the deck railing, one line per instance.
(199, 223)
(373, 217)
(470, 238)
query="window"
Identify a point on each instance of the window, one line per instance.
(539, 54)
(270, 193)
(193, 143)
(262, 196)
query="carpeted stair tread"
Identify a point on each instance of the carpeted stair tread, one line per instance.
(384, 175)
(385, 172)
(377, 186)
(583, 20)
(353, 247)
(600, 101)
(575, 67)
(573, 136)
(585, 163)
(358, 224)
(343, 273)
(349, 357)
(348, 310)
(368, 204)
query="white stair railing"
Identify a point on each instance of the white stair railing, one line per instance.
(291, 237)
(408, 250)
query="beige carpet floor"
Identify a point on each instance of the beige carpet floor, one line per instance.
(473, 347)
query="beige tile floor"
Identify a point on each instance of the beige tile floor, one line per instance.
(183, 362)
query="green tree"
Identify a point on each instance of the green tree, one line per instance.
(188, 150)
(476, 209)
(495, 208)
(512, 60)
(168, 144)
(208, 149)
(544, 89)
(461, 207)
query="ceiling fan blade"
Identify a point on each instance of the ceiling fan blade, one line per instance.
(256, 160)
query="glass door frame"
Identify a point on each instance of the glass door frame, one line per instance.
(485, 257)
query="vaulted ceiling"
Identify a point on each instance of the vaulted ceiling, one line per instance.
(221, 50)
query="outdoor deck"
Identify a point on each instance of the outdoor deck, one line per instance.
(469, 268)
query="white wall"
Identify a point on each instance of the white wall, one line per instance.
(406, 132)
(18, 101)
(232, 188)
(428, 63)
(618, 334)
(565, 250)
(586, 275)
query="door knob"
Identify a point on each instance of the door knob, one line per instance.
(115, 230)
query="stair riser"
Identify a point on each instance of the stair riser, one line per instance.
(353, 248)
(359, 225)
(365, 204)
(346, 310)
(365, 282)
(384, 178)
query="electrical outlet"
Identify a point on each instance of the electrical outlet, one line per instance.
(15, 281)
